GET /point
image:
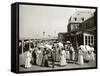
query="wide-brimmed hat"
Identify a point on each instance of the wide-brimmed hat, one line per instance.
(91, 44)
(68, 42)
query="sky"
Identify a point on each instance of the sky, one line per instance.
(34, 20)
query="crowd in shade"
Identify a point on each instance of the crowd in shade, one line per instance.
(47, 53)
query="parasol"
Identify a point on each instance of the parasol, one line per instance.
(41, 46)
(60, 44)
(83, 47)
(48, 46)
(68, 42)
(88, 48)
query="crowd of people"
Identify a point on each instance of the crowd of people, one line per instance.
(48, 54)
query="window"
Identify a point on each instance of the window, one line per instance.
(75, 18)
(89, 40)
(82, 18)
(85, 40)
(72, 27)
(92, 39)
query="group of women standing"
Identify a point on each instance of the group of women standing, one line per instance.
(39, 56)
(87, 55)
(36, 57)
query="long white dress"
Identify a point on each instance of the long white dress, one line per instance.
(73, 55)
(38, 57)
(28, 60)
(67, 55)
(63, 58)
(57, 54)
(92, 53)
(80, 58)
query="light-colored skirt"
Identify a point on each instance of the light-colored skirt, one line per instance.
(92, 55)
(63, 61)
(73, 56)
(80, 60)
(67, 55)
(27, 62)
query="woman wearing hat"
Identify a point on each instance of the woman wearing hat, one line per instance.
(39, 56)
(63, 57)
(92, 52)
(80, 57)
(28, 59)
(53, 56)
(45, 58)
(67, 53)
(72, 52)
(57, 53)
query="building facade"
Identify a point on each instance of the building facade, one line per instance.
(81, 29)
(77, 19)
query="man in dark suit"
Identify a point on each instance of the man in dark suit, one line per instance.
(34, 57)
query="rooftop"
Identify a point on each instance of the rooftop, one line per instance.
(80, 16)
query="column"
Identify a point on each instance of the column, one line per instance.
(22, 46)
(93, 40)
(90, 39)
(87, 40)
(84, 39)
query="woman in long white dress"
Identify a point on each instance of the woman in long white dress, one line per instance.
(57, 54)
(39, 57)
(80, 57)
(73, 55)
(63, 57)
(67, 53)
(73, 52)
(92, 52)
(28, 59)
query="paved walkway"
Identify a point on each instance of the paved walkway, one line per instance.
(68, 66)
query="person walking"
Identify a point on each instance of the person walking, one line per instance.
(57, 54)
(63, 57)
(28, 59)
(72, 53)
(34, 57)
(92, 52)
(67, 53)
(80, 57)
(39, 56)
(53, 55)
(45, 58)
